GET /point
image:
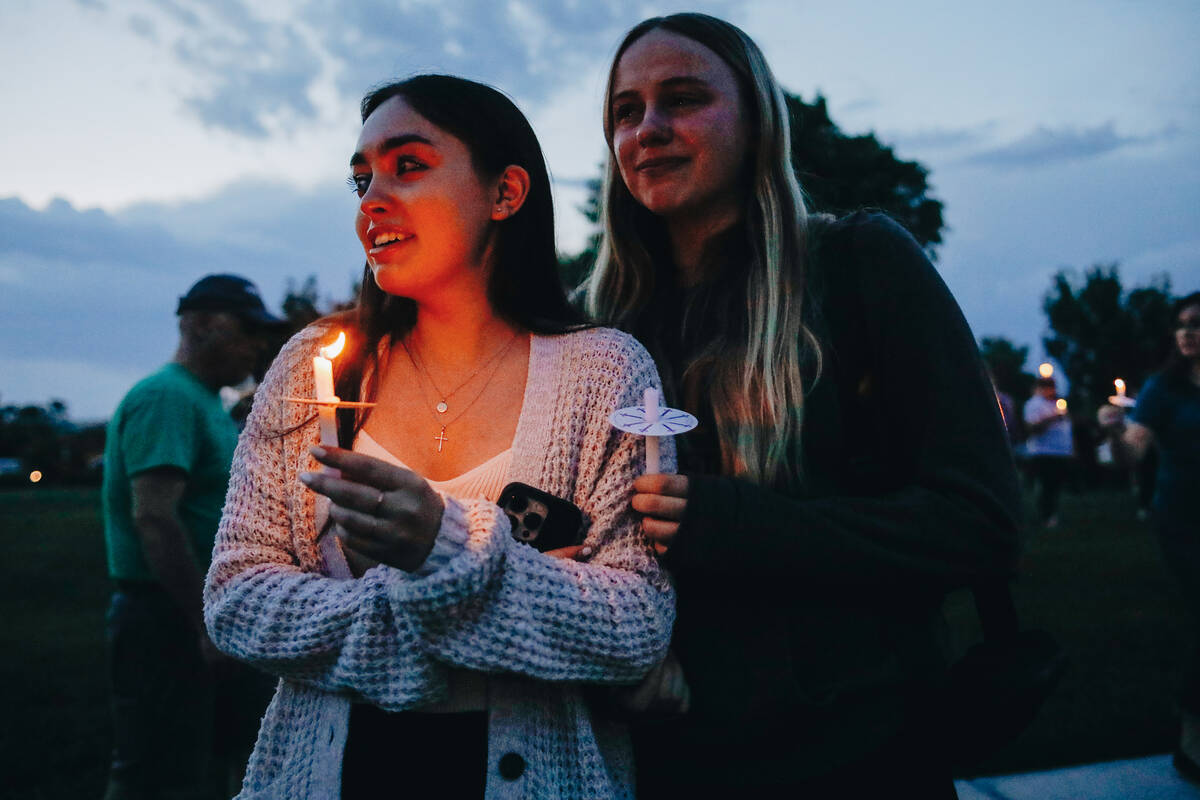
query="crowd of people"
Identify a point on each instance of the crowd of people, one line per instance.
(760, 616)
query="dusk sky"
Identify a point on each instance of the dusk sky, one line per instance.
(149, 142)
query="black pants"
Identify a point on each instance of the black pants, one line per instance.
(1180, 543)
(1051, 473)
(414, 754)
(904, 767)
(176, 722)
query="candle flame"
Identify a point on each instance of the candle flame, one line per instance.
(1061, 404)
(35, 476)
(332, 351)
(1046, 369)
(1120, 384)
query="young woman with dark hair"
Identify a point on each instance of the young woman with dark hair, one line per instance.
(1167, 416)
(851, 466)
(423, 651)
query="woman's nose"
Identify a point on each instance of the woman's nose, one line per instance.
(376, 200)
(654, 129)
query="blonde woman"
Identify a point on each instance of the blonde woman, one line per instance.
(851, 466)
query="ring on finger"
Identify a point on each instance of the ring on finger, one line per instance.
(378, 505)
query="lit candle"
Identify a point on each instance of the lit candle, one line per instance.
(1061, 405)
(650, 403)
(1120, 384)
(1046, 369)
(323, 377)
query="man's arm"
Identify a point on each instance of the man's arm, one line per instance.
(156, 496)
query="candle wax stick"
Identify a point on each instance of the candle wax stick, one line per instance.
(651, 455)
(650, 403)
(327, 417)
(323, 378)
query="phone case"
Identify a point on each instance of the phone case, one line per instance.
(539, 518)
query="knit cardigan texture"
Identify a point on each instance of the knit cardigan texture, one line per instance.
(538, 626)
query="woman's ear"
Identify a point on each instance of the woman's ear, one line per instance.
(511, 190)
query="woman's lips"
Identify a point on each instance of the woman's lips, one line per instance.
(654, 167)
(388, 239)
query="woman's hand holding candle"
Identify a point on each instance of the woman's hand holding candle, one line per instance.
(383, 512)
(662, 499)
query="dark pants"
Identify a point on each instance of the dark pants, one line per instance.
(1180, 542)
(177, 725)
(1051, 473)
(906, 766)
(445, 755)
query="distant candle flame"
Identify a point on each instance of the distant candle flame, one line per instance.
(332, 351)
(1061, 405)
(35, 476)
(1120, 384)
(1046, 370)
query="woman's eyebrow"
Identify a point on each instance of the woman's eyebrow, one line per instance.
(389, 144)
(669, 83)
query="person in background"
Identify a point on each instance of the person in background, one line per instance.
(184, 716)
(850, 467)
(1167, 418)
(1049, 446)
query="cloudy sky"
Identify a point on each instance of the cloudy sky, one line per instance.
(148, 142)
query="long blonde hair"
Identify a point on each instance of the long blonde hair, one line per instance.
(757, 395)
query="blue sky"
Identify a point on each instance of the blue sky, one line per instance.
(148, 142)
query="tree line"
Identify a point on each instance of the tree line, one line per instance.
(1098, 330)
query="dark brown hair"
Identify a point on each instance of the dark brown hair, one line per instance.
(524, 286)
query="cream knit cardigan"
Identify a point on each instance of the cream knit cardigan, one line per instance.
(538, 626)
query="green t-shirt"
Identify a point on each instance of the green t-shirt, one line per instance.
(169, 419)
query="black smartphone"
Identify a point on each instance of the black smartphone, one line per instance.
(539, 518)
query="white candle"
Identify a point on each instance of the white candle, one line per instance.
(650, 403)
(323, 377)
(1120, 384)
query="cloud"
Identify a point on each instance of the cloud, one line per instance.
(144, 27)
(100, 289)
(861, 104)
(261, 72)
(260, 69)
(1045, 146)
(1179, 260)
(940, 138)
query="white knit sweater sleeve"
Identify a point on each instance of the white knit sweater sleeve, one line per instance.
(265, 599)
(496, 605)
(500, 605)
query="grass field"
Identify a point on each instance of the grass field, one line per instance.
(1097, 583)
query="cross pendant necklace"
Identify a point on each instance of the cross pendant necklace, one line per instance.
(441, 438)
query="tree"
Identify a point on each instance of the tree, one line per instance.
(37, 436)
(1101, 332)
(838, 173)
(1006, 362)
(842, 173)
(574, 269)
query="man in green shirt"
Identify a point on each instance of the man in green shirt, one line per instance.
(166, 468)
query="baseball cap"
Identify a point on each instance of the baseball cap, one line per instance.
(231, 293)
